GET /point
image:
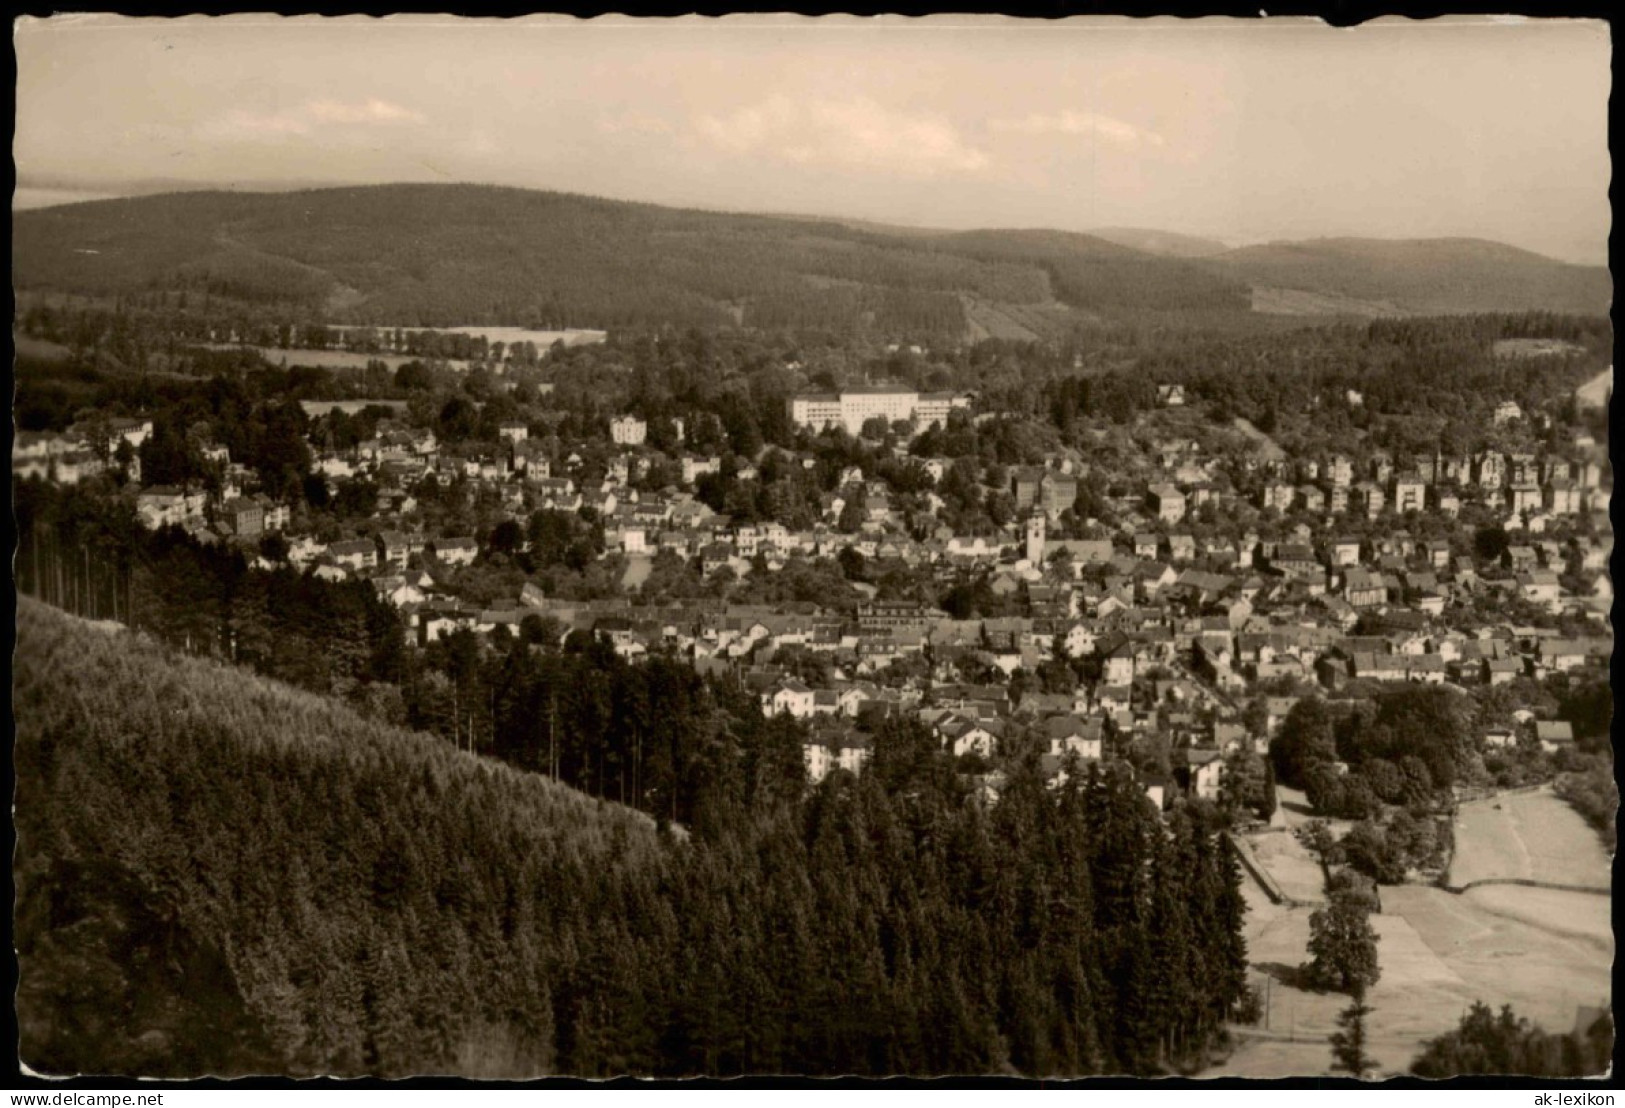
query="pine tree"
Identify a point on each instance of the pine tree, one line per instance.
(1349, 1043)
(1266, 806)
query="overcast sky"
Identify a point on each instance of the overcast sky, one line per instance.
(1235, 130)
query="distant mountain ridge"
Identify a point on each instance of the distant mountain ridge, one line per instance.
(435, 255)
(1423, 276)
(1166, 243)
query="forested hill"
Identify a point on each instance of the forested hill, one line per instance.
(216, 874)
(1169, 243)
(444, 255)
(219, 874)
(456, 254)
(1422, 276)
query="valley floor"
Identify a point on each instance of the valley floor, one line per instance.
(1544, 951)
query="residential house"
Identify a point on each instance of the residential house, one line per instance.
(1435, 552)
(819, 758)
(163, 505)
(1520, 558)
(963, 736)
(245, 517)
(1156, 789)
(1181, 548)
(458, 551)
(1539, 586)
(1167, 502)
(790, 698)
(1554, 735)
(1113, 698)
(1203, 771)
(1563, 498)
(1410, 493)
(1068, 734)
(1278, 495)
(354, 555)
(1364, 589)
(1445, 502)
(1117, 665)
(1297, 561)
(1368, 499)
(1524, 498)
(1345, 552)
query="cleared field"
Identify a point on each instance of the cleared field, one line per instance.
(1544, 951)
(316, 408)
(1290, 864)
(1276, 301)
(1535, 348)
(1532, 835)
(1562, 913)
(1439, 952)
(986, 320)
(1420, 996)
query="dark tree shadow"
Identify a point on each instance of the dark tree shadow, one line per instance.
(1293, 977)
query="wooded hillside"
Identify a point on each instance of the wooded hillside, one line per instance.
(1423, 276)
(217, 874)
(445, 255)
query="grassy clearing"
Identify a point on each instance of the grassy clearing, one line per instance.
(1545, 952)
(1530, 835)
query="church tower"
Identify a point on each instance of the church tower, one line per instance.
(1035, 539)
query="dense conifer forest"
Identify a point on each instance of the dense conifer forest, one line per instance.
(219, 874)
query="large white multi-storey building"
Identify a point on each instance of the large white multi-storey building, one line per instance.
(628, 430)
(852, 407)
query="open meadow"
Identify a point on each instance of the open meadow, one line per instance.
(1530, 835)
(1544, 951)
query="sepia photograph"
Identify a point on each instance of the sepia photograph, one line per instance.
(795, 547)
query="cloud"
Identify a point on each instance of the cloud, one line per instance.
(370, 111)
(851, 133)
(1068, 122)
(250, 124)
(633, 122)
(308, 117)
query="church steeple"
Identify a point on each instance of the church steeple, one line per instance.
(1035, 539)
